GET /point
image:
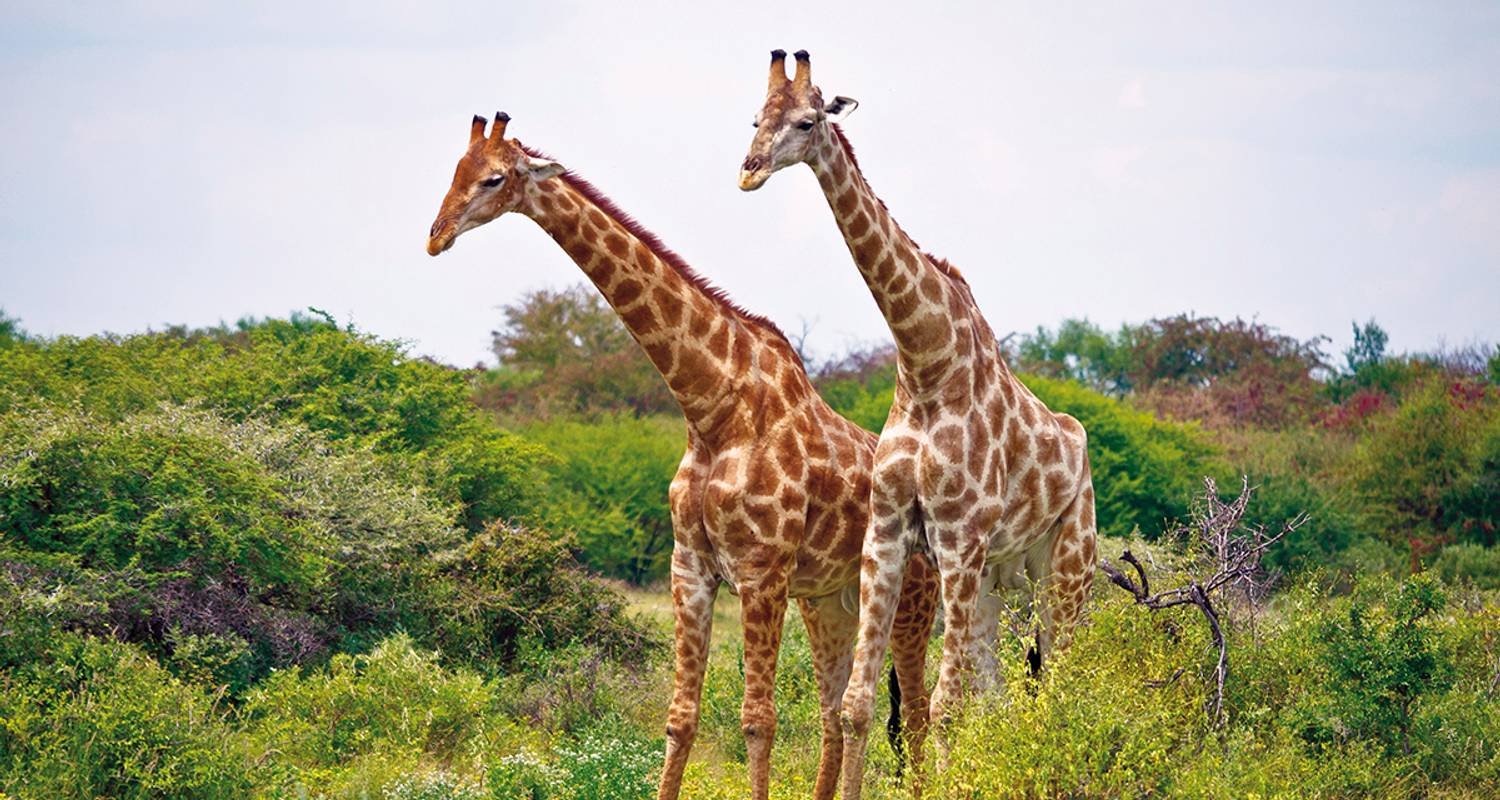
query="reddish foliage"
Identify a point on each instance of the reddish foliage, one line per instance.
(1355, 410)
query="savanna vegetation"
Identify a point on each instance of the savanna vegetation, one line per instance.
(287, 558)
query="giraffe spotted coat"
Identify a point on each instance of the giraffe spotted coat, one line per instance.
(971, 468)
(771, 496)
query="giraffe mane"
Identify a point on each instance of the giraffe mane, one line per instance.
(661, 251)
(941, 264)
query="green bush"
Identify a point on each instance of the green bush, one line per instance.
(621, 466)
(1325, 696)
(236, 547)
(863, 392)
(1383, 662)
(351, 387)
(1302, 471)
(1470, 563)
(92, 718)
(611, 765)
(513, 587)
(1430, 472)
(524, 776)
(396, 703)
(244, 544)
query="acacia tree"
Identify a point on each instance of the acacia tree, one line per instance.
(565, 350)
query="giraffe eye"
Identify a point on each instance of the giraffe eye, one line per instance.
(755, 123)
(492, 181)
(805, 125)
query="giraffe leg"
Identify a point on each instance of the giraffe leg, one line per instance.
(693, 591)
(883, 564)
(961, 566)
(1066, 574)
(830, 631)
(910, 632)
(762, 610)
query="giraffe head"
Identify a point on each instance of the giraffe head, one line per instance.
(790, 121)
(492, 178)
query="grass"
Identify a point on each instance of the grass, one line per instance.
(717, 764)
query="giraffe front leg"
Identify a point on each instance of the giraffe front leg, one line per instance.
(762, 612)
(830, 632)
(883, 565)
(961, 565)
(693, 591)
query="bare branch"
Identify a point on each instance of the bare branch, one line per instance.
(1233, 551)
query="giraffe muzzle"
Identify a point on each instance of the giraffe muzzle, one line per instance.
(440, 237)
(753, 173)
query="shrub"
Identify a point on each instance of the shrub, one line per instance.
(1470, 563)
(243, 544)
(432, 786)
(1319, 705)
(1430, 472)
(236, 547)
(397, 703)
(568, 352)
(100, 719)
(621, 467)
(352, 388)
(524, 776)
(1385, 662)
(607, 764)
(512, 586)
(568, 689)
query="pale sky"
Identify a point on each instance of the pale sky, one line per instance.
(163, 163)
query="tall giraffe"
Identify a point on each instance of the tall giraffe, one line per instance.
(971, 467)
(771, 496)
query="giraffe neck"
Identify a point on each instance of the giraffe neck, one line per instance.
(926, 305)
(694, 338)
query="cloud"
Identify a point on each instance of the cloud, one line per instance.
(167, 163)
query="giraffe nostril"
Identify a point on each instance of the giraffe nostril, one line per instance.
(752, 163)
(437, 227)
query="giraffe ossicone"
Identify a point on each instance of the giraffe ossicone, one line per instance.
(971, 467)
(771, 495)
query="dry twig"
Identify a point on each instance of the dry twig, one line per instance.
(1234, 551)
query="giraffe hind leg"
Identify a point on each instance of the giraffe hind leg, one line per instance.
(910, 632)
(831, 629)
(1066, 575)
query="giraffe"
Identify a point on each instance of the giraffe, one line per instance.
(971, 468)
(771, 496)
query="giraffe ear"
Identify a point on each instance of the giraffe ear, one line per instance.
(839, 107)
(541, 169)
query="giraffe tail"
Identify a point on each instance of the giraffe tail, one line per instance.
(893, 723)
